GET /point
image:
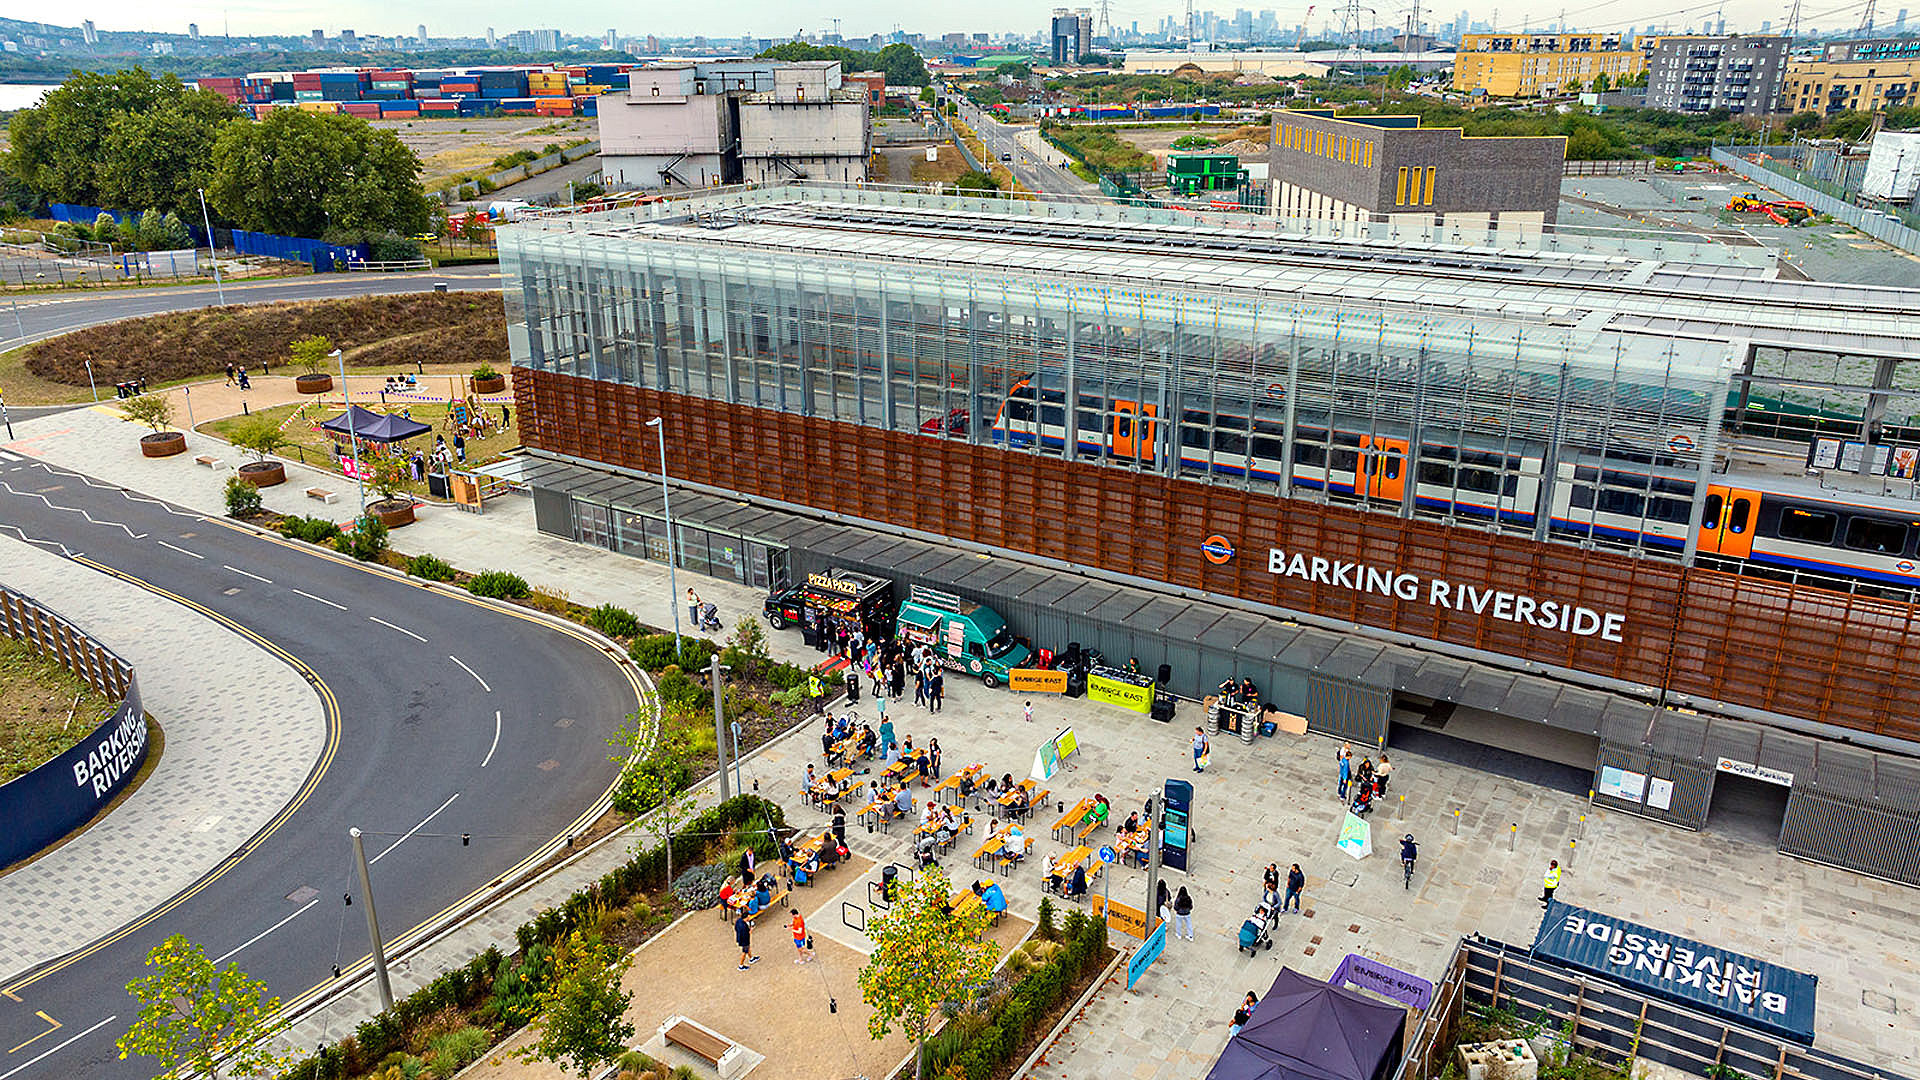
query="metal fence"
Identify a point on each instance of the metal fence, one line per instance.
(1759, 165)
(1609, 168)
(22, 619)
(1606, 1020)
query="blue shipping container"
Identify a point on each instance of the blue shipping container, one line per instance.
(1739, 988)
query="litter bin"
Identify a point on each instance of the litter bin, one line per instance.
(888, 876)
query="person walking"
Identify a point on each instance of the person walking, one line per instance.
(743, 934)
(1163, 901)
(1269, 878)
(245, 383)
(839, 825)
(1199, 748)
(229, 374)
(505, 418)
(1346, 774)
(1296, 884)
(460, 447)
(1380, 773)
(936, 690)
(1183, 914)
(693, 607)
(933, 756)
(1549, 882)
(800, 942)
(899, 687)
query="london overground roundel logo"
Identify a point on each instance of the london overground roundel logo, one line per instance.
(1217, 549)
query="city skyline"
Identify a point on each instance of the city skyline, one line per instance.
(860, 19)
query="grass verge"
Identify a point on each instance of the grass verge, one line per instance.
(44, 708)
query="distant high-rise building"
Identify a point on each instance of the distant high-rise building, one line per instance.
(653, 45)
(1742, 74)
(1900, 22)
(1766, 26)
(87, 32)
(1720, 27)
(423, 35)
(348, 41)
(193, 31)
(320, 39)
(611, 41)
(492, 42)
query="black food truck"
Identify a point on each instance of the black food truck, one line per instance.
(825, 602)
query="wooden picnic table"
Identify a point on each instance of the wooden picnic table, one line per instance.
(900, 772)
(996, 846)
(951, 784)
(1081, 855)
(827, 788)
(1133, 845)
(844, 751)
(1034, 798)
(1069, 820)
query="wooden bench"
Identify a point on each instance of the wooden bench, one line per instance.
(1069, 820)
(322, 494)
(1086, 829)
(209, 461)
(722, 1053)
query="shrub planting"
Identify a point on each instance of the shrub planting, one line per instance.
(242, 498)
(499, 585)
(614, 621)
(431, 567)
(313, 530)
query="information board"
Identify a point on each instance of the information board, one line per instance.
(1176, 827)
(1146, 954)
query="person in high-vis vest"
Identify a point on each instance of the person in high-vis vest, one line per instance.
(813, 686)
(1550, 882)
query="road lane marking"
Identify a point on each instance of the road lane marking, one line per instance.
(403, 630)
(15, 529)
(322, 599)
(16, 1070)
(42, 1035)
(243, 573)
(496, 739)
(268, 930)
(470, 671)
(181, 550)
(409, 836)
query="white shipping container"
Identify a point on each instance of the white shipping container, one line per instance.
(1893, 166)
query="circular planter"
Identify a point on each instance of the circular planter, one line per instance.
(393, 513)
(318, 382)
(163, 444)
(263, 473)
(490, 385)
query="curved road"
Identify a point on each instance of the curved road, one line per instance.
(447, 716)
(44, 315)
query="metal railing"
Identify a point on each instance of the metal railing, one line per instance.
(1762, 165)
(376, 267)
(24, 620)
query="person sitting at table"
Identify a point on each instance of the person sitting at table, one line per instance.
(1016, 845)
(946, 831)
(1100, 810)
(991, 789)
(1022, 802)
(923, 849)
(867, 740)
(726, 892)
(967, 784)
(811, 781)
(1132, 824)
(991, 896)
(1054, 878)
(1006, 782)
(902, 802)
(829, 854)
(929, 813)
(1077, 885)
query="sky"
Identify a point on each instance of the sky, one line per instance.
(859, 18)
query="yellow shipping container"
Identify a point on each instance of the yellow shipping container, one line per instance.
(321, 106)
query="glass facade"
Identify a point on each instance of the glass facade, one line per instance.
(1529, 423)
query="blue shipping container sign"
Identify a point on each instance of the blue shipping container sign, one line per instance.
(1739, 988)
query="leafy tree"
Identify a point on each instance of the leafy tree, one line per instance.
(153, 410)
(652, 780)
(1803, 121)
(1602, 83)
(1016, 69)
(1401, 77)
(902, 65)
(197, 1019)
(1572, 86)
(582, 1022)
(106, 229)
(311, 353)
(302, 173)
(259, 436)
(175, 233)
(242, 498)
(923, 955)
(125, 139)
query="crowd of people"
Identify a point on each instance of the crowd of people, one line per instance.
(1361, 786)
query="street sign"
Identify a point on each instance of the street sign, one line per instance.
(1107, 855)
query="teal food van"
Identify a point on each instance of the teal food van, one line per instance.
(965, 636)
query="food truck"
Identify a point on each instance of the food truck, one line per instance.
(965, 636)
(826, 601)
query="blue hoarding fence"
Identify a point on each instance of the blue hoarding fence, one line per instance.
(65, 793)
(1765, 996)
(293, 248)
(83, 215)
(1146, 954)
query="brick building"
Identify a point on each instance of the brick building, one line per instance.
(1532, 65)
(1357, 168)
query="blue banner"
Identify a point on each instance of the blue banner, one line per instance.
(1765, 996)
(1146, 954)
(64, 794)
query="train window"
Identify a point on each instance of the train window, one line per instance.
(1390, 465)
(1710, 518)
(1230, 442)
(1480, 480)
(1053, 416)
(1739, 516)
(1343, 460)
(1671, 510)
(1807, 526)
(1873, 534)
(1123, 426)
(1309, 453)
(1020, 409)
(1586, 474)
(1431, 452)
(1436, 473)
(1089, 421)
(1580, 497)
(1269, 449)
(1626, 503)
(1193, 438)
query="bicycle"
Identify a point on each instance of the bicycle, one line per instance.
(1407, 865)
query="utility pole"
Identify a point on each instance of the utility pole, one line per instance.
(373, 924)
(1866, 21)
(714, 673)
(212, 256)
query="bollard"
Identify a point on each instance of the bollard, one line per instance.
(1589, 799)
(1456, 823)
(1513, 835)
(1402, 812)
(1582, 834)
(1572, 847)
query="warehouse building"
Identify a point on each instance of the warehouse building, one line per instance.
(1238, 450)
(1367, 168)
(727, 122)
(1743, 74)
(1532, 65)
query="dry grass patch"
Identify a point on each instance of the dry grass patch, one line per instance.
(44, 708)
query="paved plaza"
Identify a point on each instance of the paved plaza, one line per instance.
(1272, 801)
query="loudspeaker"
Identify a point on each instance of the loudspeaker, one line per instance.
(1166, 674)
(1162, 708)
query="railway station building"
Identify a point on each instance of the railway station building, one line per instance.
(1539, 491)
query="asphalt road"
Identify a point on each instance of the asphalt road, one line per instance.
(1035, 174)
(27, 319)
(447, 717)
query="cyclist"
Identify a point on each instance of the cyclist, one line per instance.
(1409, 851)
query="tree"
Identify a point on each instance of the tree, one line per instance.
(197, 1019)
(923, 956)
(1016, 69)
(1602, 83)
(1571, 86)
(121, 140)
(106, 229)
(975, 180)
(652, 778)
(301, 173)
(259, 436)
(312, 352)
(582, 1008)
(153, 410)
(902, 65)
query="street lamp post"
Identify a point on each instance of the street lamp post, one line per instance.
(673, 578)
(88, 360)
(213, 256)
(353, 433)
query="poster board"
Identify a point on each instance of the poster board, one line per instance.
(1659, 793)
(1053, 753)
(1356, 836)
(1130, 921)
(1036, 681)
(1114, 688)
(1622, 784)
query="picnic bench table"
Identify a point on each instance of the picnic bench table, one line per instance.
(1071, 819)
(950, 787)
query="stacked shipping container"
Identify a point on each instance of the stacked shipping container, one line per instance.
(372, 93)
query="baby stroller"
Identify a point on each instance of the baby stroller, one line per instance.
(1362, 801)
(1257, 931)
(709, 617)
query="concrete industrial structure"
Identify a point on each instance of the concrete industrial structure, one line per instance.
(735, 121)
(1278, 65)
(1069, 35)
(1530, 65)
(1866, 76)
(1352, 169)
(1325, 464)
(1738, 73)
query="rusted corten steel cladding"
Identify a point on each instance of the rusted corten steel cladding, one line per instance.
(1794, 650)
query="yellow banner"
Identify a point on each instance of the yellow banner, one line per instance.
(1128, 920)
(1124, 694)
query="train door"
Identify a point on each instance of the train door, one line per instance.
(1133, 430)
(1727, 520)
(1383, 468)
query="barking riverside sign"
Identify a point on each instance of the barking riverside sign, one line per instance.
(1438, 592)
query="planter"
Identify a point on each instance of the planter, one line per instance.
(317, 382)
(263, 473)
(492, 384)
(392, 513)
(163, 444)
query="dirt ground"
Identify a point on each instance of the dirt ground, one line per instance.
(922, 171)
(777, 1008)
(1244, 140)
(448, 147)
